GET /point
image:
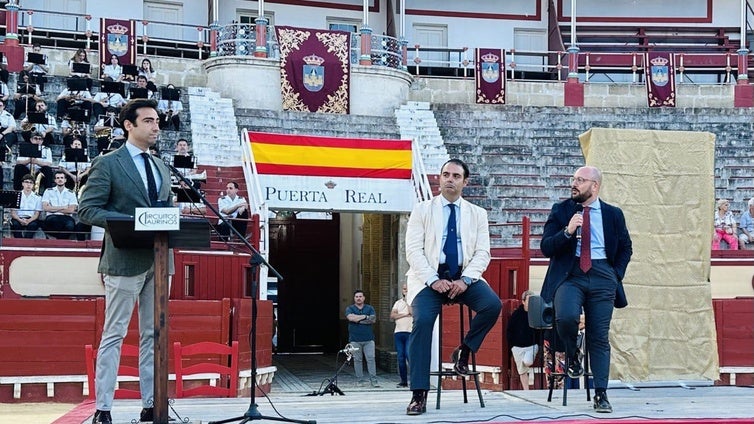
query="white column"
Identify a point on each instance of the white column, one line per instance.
(403, 18)
(260, 8)
(365, 19)
(573, 22)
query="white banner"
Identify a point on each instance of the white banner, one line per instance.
(337, 193)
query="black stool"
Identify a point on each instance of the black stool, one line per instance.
(567, 379)
(473, 373)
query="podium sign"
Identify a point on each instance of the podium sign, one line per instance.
(157, 219)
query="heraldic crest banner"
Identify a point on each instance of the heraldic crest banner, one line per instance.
(490, 76)
(315, 69)
(659, 72)
(117, 38)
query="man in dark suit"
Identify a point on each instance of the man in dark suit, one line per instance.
(118, 183)
(586, 269)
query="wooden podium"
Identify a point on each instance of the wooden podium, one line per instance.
(193, 234)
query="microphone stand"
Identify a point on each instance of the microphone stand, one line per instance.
(256, 260)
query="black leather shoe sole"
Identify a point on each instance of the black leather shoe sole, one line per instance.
(460, 368)
(602, 405)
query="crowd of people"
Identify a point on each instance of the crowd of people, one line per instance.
(85, 123)
(735, 234)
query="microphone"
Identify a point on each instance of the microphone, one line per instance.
(579, 210)
(349, 349)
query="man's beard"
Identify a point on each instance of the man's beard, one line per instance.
(580, 197)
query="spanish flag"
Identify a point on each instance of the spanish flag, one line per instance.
(285, 154)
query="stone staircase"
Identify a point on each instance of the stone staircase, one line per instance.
(523, 156)
(417, 122)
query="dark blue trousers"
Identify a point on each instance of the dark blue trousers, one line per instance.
(425, 308)
(595, 293)
(401, 347)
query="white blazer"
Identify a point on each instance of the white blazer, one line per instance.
(424, 242)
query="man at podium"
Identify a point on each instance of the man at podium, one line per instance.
(118, 183)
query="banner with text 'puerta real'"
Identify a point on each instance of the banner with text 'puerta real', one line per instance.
(303, 172)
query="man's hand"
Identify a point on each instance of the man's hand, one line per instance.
(441, 286)
(457, 288)
(576, 221)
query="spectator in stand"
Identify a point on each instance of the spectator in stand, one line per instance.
(113, 71)
(4, 74)
(25, 220)
(147, 71)
(48, 129)
(141, 82)
(75, 172)
(27, 95)
(234, 208)
(7, 128)
(60, 205)
(4, 91)
(521, 339)
(188, 208)
(38, 71)
(746, 229)
(104, 100)
(79, 57)
(78, 99)
(725, 226)
(169, 111)
(26, 165)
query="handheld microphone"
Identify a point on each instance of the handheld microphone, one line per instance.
(349, 349)
(579, 210)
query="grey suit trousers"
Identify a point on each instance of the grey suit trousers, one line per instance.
(121, 295)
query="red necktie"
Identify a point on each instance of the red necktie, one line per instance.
(585, 261)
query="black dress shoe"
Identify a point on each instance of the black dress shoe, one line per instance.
(418, 403)
(575, 369)
(147, 416)
(102, 417)
(460, 359)
(601, 404)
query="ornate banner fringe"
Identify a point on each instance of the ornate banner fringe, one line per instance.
(315, 69)
(490, 76)
(659, 73)
(117, 38)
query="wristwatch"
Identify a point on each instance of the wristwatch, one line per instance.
(565, 231)
(468, 280)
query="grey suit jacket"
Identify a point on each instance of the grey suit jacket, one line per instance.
(115, 189)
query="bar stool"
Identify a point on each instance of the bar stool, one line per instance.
(567, 379)
(473, 373)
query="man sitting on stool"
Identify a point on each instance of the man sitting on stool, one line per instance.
(60, 205)
(234, 208)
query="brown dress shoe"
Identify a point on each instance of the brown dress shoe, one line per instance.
(418, 403)
(460, 358)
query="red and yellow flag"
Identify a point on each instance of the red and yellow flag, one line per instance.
(285, 154)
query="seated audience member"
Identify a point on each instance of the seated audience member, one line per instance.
(141, 82)
(182, 150)
(188, 208)
(233, 208)
(168, 111)
(79, 57)
(75, 172)
(25, 220)
(26, 96)
(725, 226)
(7, 128)
(746, 227)
(108, 132)
(74, 99)
(104, 100)
(48, 129)
(146, 70)
(4, 74)
(60, 205)
(38, 71)
(113, 71)
(4, 91)
(28, 165)
(521, 339)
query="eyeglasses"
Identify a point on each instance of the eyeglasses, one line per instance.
(579, 180)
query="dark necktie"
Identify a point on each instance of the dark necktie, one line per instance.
(451, 243)
(585, 261)
(151, 185)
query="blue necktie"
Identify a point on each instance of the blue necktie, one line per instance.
(451, 243)
(151, 184)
